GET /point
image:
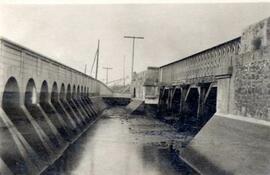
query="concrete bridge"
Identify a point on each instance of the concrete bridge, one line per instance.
(45, 106)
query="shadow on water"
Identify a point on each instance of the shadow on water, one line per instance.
(166, 160)
(71, 157)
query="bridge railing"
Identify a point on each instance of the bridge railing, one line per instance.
(211, 63)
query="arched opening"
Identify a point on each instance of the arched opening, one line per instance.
(80, 102)
(60, 126)
(69, 94)
(78, 92)
(74, 92)
(11, 106)
(81, 94)
(9, 151)
(85, 93)
(48, 109)
(54, 94)
(85, 104)
(65, 131)
(62, 92)
(31, 93)
(65, 100)
(80, 105)
(44, 93)
(89, 103)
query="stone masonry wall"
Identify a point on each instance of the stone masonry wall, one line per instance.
(252, 84)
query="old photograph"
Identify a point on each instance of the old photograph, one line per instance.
(134, 87)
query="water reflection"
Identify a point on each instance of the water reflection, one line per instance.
(111, 147)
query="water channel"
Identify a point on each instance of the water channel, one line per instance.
(122, 144)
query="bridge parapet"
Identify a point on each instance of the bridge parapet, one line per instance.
(22, 64)
(205, 66)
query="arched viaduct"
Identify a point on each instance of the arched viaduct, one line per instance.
(45, 106)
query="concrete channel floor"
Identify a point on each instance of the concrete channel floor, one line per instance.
(121, 144)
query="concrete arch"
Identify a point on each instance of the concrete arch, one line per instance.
(69, 92)
(44, 92)
(62, 92)
(78, 91)
(16, 113)
(10, 154)
(85, 93)
(54, 93)
(74, 91)
(30, 96)
(81, 94)
(11, 94)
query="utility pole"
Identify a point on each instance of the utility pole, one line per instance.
(85, 67)
(124, 67)
(133, 47)
(97, 61)
(96, 58)
(107, 70)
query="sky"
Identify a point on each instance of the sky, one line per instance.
(69, 33)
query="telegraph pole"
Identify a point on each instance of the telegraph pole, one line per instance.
(85, 67)
(107, 70)
(97, 61)
(124, 71)
(133, 47)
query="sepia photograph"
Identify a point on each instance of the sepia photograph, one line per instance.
(134, 87)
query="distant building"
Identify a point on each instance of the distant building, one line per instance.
(144, 85)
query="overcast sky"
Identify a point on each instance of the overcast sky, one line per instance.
(69, 33)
